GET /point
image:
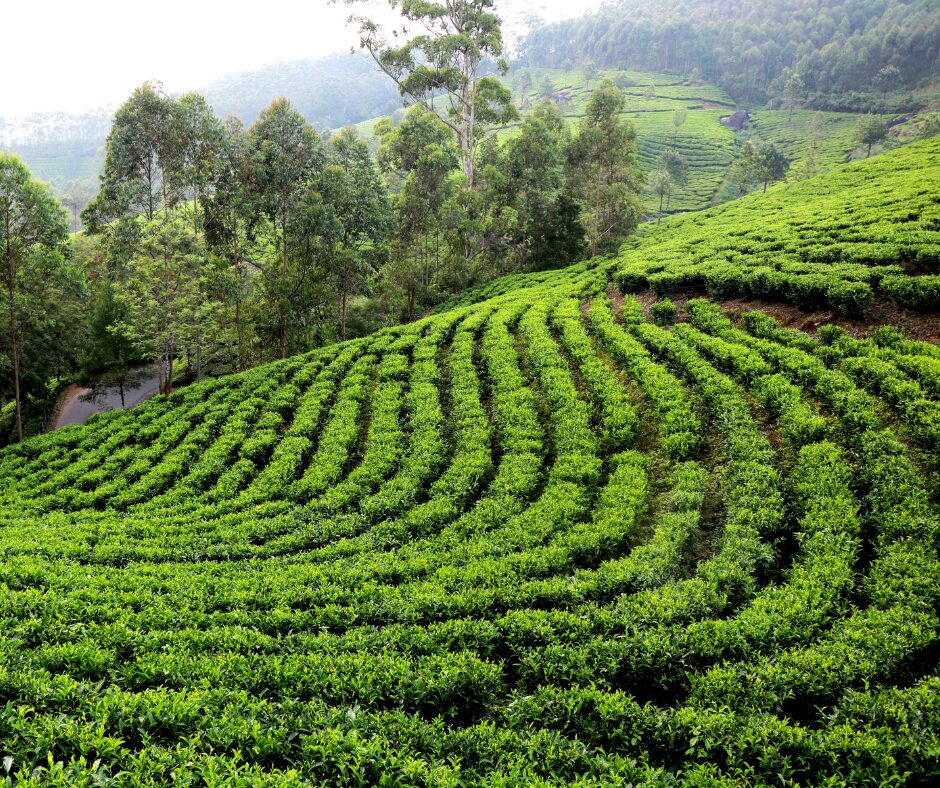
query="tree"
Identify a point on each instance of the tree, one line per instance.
(359, 201)
(201, 138)
(886, 79)
(531, 220)
(870, 131)
(230, 216)
(33, 234)
(111, 351)
(679, 117)
(285, 155)
(143, 160)
(769, 163)
(589, 71)
(602, 170)
(818, 128)
(446, 62)
(650, 93)
(419, 155)
(793, 91)
(661, 184)
(524, 87)
(744, 171)
(678, 169)
(165, 292)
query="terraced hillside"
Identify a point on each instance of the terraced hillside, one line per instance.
(536, 539)
(706, 144)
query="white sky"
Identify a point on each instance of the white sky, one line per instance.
(73, 55)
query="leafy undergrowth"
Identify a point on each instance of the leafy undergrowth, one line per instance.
(536, 539)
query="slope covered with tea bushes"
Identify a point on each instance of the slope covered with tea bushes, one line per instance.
(535, 539)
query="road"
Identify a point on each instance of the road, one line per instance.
(76, 406)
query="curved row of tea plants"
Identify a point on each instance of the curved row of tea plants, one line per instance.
(535, 539)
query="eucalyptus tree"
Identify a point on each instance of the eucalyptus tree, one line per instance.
(818, 129)
(165, 292)
(230, 217)
(359, 200)
(201, 137)
(677, 168)
(679, 117)
(418, 156)
(446, 62)
(534, 223)
(286, 154)
(661, 184)
(869, 132)
(603, 172)
(143, 168)
(33, 238)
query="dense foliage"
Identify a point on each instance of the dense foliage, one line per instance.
(837, 54)
(538, 538)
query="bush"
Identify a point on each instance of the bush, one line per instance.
(664, 312)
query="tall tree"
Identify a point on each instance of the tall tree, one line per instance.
(769, 163)
(744, 171)
(359, 201)
(201, 135)
(870, 131)
(230, 215)
(143, 160)
(446, 62)
(679, 117)
(678, 168)
(286, 155)
(33, 234)
(661, 184)
(818, 128)
(165, 292)
(793, 91)
(532, 221)
(602, 170)
(419, 155)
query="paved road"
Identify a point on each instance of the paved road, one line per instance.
(76, 406)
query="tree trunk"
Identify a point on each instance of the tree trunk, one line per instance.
(660, 209)
(198, 356)
(342, 316)
(14, 348)
(241, 334)
(282, 308)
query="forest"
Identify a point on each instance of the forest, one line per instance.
(861, 55)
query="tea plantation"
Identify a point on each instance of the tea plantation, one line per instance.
(540, 538)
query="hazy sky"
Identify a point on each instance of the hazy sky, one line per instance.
(68, 55)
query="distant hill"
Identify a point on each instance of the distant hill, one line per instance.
(329, 91)
(849, 54)
(67, 150)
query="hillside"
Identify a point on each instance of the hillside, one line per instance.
(535, 539)
(859, 55)
(706, 144)
(330, 91)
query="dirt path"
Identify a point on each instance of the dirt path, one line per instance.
(76, 405)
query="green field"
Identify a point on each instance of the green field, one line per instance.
(534, 539)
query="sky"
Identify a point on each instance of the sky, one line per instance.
(74, 55)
